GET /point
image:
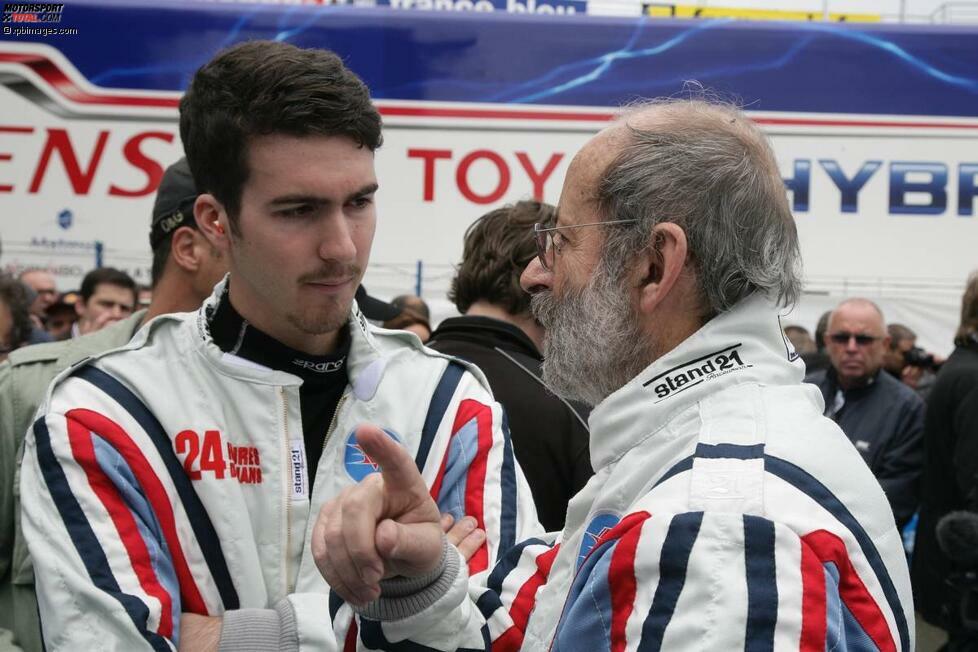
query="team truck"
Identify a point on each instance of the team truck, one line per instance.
(875, 128)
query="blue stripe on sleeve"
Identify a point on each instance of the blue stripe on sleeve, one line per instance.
(585, 623)
(335, 603)
(510, 560)
(730, 451)
(197, 516)
(462, 449)
(681, 466)
(673, 562)
(83, 537)
(115, 468)
(507, 518)
(440, 400)
(762, 587)
(808, 485)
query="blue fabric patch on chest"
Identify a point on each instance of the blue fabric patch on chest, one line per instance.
(358, 464)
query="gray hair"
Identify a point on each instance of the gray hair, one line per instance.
(704, 166)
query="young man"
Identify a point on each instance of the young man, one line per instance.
(725, 512)
(185, 269)
(170, 489)
(107, 295)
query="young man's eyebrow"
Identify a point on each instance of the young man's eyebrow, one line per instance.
(298, 199)
(316, 200)
(368, 189)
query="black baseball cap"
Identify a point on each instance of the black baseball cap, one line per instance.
(174, 206)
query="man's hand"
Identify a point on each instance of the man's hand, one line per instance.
(199, 633)
(386, 526)
(463, 534)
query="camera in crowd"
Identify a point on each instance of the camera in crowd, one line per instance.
(957, 535)
(917, 357)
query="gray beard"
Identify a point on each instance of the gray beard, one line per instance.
(593, 342)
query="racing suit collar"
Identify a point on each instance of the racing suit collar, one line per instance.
(743, 345)
(363, 349)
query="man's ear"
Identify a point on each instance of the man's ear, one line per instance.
(660, 265)
(212, 220)
(184, 250)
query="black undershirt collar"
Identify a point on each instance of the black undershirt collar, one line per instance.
(324, 377)
(233, 334)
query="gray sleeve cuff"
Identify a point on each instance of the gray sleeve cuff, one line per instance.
(403, 597)
(248, 630)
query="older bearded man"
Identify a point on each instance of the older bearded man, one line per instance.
(726, 512)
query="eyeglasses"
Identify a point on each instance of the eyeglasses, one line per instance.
(546, 244)
(862, 339)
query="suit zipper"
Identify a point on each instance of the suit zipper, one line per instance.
(332, 423)
(288, 494)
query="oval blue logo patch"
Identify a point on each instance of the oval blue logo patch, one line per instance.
(358, 464)
(599, 525)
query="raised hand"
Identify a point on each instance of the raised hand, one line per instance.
(385, 526)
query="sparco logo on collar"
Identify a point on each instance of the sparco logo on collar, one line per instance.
(320, 367)
(692, 373)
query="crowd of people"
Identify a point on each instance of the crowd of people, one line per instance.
(614, 446)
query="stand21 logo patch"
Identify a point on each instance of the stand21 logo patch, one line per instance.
(692, 373)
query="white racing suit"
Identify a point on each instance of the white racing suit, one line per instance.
(725, 514)
(169, 477)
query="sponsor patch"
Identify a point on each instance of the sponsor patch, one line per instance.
(326, 367)
(600, 524)
(297, 471)
(210, 455)
(358, 464)
(682, 377)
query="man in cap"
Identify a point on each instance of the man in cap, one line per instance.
(725, 512)
(184, 270)
(229, 427)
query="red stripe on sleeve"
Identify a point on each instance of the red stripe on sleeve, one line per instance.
(621, 576)
(468, 410)
(350, 643)
(83, 449)
(829, 547)
(519, 611)
(191, 599)
(813, 616)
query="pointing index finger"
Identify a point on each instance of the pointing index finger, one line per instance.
(401, 476)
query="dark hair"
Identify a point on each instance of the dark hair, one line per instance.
(968, 329)
(408, 317)
(259, 88)
(160, 256)
(498, 247)
(107, 276)
(16, 296)
(899, 333)
(821, 328)
(416, 304)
